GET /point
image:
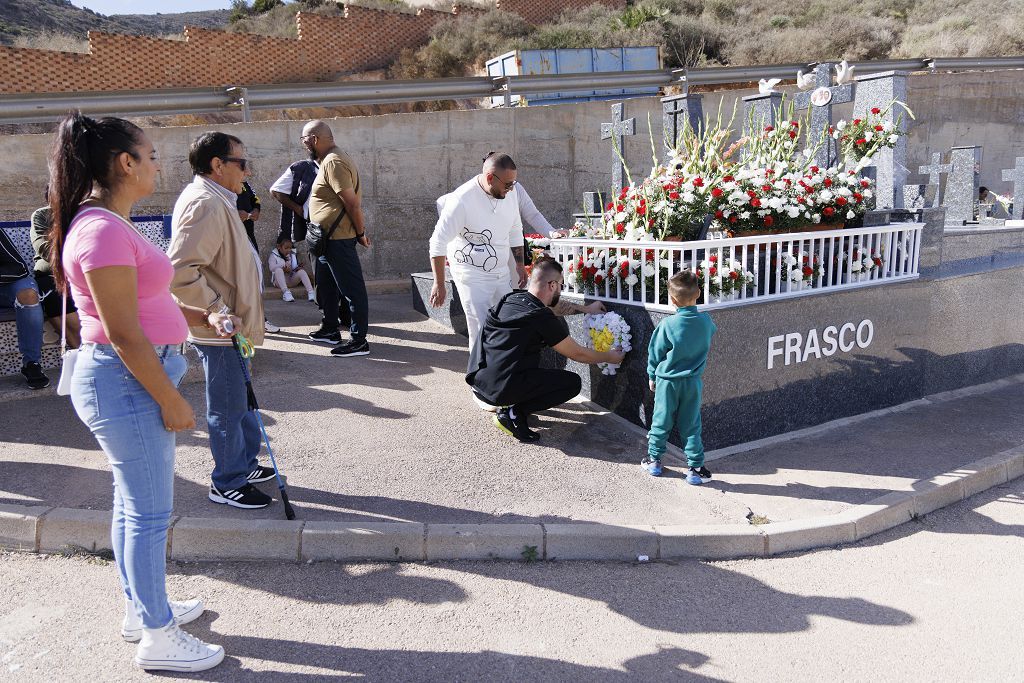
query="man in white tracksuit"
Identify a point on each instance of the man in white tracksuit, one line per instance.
(480, 233)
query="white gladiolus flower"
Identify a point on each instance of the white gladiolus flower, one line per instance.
(841, 125)
(619, 217)
(868, 135)
(893, 139)
(851, 214)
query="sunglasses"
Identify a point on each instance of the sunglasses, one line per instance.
(508, 185)
(242, 163)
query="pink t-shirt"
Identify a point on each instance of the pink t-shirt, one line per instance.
(99, 238)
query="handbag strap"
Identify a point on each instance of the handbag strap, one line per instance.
(64, 325)
(337, 221)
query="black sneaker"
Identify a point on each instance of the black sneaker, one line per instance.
(260, 474)
(34, 376)
(698, 475)
(326, 336)
(248, 497)
(514, 428)
(351, 348)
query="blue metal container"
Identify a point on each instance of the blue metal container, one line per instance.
(574, 61)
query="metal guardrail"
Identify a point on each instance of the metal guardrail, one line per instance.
(36, 108)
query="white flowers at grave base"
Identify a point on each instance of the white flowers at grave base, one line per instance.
(606, 331)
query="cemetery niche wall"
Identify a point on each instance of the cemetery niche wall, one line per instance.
(833, 294)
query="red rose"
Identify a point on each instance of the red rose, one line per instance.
(827, 182)
(768, 129)
(879, 128)
(609, 207)
(698, 182)
(861, 141)
(769, 221)
(713, 271)
(727, 179)
(620, 207)
(620, 228)
(865, 183)
(713, 259)
(733, 275)
(792, 135)
(755, 202)
(732, 218)
(800, 199)
(769, 171)
(642, 209)
(719, 214)
(766, 188)
(856, 122)
(622, 195)
(795, 124)
(857, 196)
(876, 110)
(673, 195)
(751, 194)
(716, 192)
(841, 201)
(598, 278)
(807, 271)
(814, 169)
(828, 211)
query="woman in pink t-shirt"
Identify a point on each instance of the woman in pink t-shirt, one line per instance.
(125, 381)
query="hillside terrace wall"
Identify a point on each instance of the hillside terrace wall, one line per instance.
(326, 46)
(406, 161)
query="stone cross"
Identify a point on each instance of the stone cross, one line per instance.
(676, 110)
(962, 184)
(821, 113)
(617, 130)
(759, 111)
(934, 172)
(1015, 175)
(879, 90)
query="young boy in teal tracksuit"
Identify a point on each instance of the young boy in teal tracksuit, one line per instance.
(675, 365)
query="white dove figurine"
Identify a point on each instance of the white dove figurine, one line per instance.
(766, 86)
(804, 81)
(844, 73)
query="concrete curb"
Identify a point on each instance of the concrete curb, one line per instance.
(45, 530)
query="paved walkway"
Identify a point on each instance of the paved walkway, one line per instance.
(395, 436)
(937, 599)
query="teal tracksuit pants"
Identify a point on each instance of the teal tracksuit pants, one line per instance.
(677, 404)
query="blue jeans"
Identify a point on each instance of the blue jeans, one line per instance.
(234, 431)
(343, 265)
(29, 319)
(127, 422)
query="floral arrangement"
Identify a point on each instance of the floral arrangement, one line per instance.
(726, 277)
(863, 263)
(536, 241)
(862, 138)
(608, 331)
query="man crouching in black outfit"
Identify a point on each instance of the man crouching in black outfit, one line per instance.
(504, 367)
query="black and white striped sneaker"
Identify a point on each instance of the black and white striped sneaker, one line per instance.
(248, 497)
(260, 475)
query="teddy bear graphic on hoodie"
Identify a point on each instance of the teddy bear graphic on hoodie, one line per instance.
(477, 251)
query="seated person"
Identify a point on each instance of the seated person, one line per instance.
(285, 271)
(504, 369)
(18, 291)
(52, 300)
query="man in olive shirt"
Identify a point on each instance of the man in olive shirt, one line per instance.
(336, 193)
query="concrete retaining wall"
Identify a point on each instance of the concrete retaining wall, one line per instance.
(408, 160)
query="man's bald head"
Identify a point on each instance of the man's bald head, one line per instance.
(317, 138)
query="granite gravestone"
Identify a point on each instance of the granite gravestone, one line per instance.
(617, 131)
(1015, 175)
(961, 196)
(760, 111)
(880, 90)
(919, 196)
(934, 172)
(676, 112)
(820, 101)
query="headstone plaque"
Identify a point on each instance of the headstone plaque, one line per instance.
(821, 114)
(879, 90)
(617, 131)
(677, 110)
(759, 111)
(961, 198)
(1015, 175)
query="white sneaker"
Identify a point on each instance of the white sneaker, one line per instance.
(310, 296)
(485, 406)
(183, 612)
(270, 327)
(171, 649)
(287, 296)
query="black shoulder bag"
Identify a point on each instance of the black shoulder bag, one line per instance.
(316, 240)
(12, 267)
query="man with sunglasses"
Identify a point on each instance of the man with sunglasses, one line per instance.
(217, 268)
(479, 233)
(335, 204)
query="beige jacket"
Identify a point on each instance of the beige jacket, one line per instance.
(215, 265)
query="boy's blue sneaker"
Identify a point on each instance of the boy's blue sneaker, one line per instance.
(651, 466)
(698, 475)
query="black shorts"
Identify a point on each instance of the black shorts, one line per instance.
(51, 299)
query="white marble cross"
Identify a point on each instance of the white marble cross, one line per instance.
(618, 130)
(934, 172)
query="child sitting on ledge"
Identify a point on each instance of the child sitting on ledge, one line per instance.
(285, 271)
(675, 365)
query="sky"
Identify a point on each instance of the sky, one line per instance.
(150, 6)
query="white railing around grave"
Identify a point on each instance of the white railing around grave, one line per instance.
(740, 270)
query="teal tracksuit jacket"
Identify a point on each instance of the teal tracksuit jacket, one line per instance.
(676, 358)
